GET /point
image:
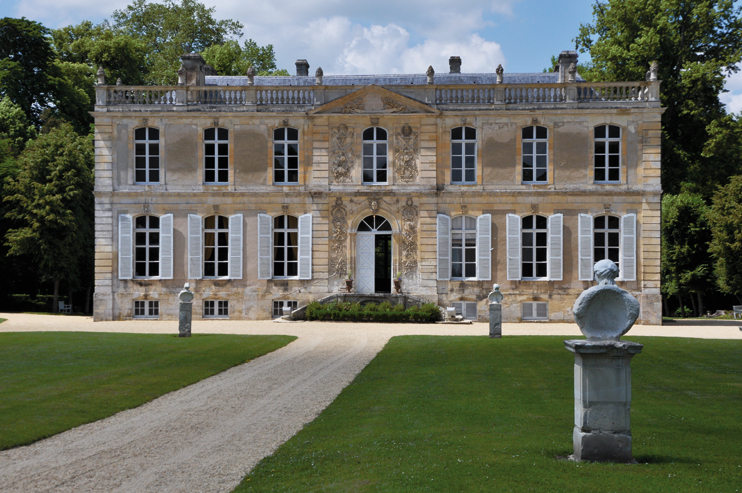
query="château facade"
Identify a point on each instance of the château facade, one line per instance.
(264, 192)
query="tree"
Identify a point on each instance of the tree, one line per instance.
(231, 59)
(725, 218)
(696, 44)
(15, 129)
(51, 202)
(171, 29)
(26, 62)
(686, 266)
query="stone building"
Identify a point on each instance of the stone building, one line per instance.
(267, 191)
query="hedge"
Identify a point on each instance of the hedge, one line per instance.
(383, 312)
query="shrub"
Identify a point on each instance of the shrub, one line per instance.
(383, 312)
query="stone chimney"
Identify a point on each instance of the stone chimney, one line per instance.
(302, 67)
(566, 58)
(194, 66)
(454, 64)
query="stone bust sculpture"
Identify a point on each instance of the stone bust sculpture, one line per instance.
(495, 296)
(605, 312)
(186, 296)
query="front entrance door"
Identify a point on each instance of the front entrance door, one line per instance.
(374, 256)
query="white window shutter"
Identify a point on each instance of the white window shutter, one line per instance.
(514, 267)
(542, 310)
(166, 246)
(459, 306)
(556, 223)
(235, 246)
(484, 247)
(305, 246)
(527, 311)
(125, 247)
(265, 247)
(471, 311)
(195, 250)
(585, 248)
(444, 247)
(628, 247)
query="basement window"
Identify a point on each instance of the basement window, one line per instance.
(535, 310)
(279, 304)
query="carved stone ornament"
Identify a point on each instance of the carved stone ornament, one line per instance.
(431, 74)
(216, 122)
(342, 158)
(464, 209)
(285, 209)
(215, 207)
(355, 106)
(145, 122)
(406, 153)
(463, 121)
(534, 208)
(499, 71)
(285, 122)
(653, 69)
(606, 207)
(145, 209)
(571, 72)
(101, 76)
(118, 82)
(338, 245)
(409, 237)
(318, 74)
(373, 204)
(250, 75)
(181, 76)
(391, 106)
(374, 121)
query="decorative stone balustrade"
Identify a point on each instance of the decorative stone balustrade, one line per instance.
(467, 96)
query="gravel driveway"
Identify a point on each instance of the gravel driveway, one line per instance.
(206, 437)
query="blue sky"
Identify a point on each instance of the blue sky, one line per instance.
(384, 36)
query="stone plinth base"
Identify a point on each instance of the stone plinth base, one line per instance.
(184, 319)
(495, 320)
(602, 429)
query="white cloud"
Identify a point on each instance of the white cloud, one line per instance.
(733, 98)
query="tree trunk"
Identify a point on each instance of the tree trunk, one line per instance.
(682, 308)
(700, 304)
(69, 299)
(693, 303)
(55, 302)
(87, 299)
(665, 305)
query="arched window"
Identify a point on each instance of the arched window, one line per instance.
(607, 155)
(374, 223)
(464, 155)
(285, 156)
(535, 155)
(534, 247)
(216, 246)
(285, 246)
(375, 155)
(606, 238)
(146, 155)
(216, 156)
(146, 246)
(463, 247)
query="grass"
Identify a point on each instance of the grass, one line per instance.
(3, 320)
(474, 414)
(54, 381)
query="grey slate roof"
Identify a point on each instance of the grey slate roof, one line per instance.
(386, 80)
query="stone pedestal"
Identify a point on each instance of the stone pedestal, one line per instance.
(186, 312)
(495, 320)
(602, 429)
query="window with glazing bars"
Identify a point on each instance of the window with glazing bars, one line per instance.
(464, 155)
(146, 246)
(216, 156)
(146, 155)
(374, 155)
(606, 238)
(285, 156)
(535, 155)
(607, 154)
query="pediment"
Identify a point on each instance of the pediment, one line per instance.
(374, 100)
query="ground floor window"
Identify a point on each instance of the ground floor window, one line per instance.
(216, 308)
(146, 308)
(279, 304)
(467, 309)
(535, 310)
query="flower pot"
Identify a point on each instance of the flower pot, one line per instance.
(349, 285)
(397, 285)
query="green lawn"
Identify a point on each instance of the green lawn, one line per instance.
(54, 381)
(460, 414)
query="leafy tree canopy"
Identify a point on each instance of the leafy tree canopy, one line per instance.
(15, 128)
(725, 218)
(232, 59)
(696, 44)
(170, 29)
(26, 65)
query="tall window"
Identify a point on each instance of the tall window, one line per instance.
(216, 156)
(535, 155)
(285, 246)
(534, 237)
(146, 155)
(463, 247)
(285, 156)
(374, 155)
(216, 246)
(463, 155)
(146, 246)
(606, 238)
(607, 154)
